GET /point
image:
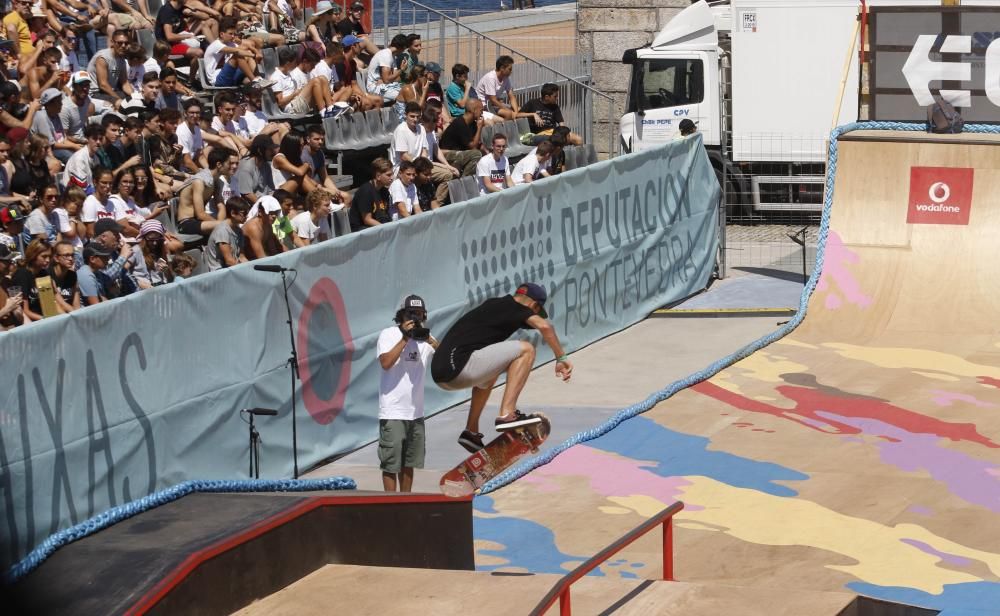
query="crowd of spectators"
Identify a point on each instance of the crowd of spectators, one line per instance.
(118, 163)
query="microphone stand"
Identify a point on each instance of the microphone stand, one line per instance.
(293, 363)
(254, 450)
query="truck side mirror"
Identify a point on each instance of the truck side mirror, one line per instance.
(629, 56)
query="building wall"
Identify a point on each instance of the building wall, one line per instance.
(607, 28)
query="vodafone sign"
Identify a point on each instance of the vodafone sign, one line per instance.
(940, 196)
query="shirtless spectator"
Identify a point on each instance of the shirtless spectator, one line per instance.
(258, 230)
(193, 217)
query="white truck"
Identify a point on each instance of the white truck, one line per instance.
(760, 78)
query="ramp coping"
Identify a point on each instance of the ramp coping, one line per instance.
(122, 512)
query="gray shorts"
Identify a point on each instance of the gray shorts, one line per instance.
(401, 443)
(485, 365)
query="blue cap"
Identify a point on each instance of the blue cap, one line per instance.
(349, 40)
(537, 293)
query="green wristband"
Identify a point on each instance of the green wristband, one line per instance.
(562, 358)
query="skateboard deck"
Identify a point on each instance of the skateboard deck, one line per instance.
(498, 455)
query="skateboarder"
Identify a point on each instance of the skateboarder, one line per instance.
(475, 351)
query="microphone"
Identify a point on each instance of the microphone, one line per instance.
(273, 268)
(267, 412)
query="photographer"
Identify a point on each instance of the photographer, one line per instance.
(404, 352)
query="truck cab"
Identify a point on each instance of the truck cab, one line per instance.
(675, 78)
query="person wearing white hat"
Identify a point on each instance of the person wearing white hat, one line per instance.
(79, 108)
(322, 26)
(258, 229)
(48, 124)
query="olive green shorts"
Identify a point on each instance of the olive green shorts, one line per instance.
(401, 444)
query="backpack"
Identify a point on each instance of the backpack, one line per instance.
(942, 117)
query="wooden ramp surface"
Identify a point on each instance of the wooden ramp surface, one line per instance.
(380, 590)
(860, 453)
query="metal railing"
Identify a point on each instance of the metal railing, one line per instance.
(445, 37)
(561, 589)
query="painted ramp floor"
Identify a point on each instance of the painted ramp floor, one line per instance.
(859, 453)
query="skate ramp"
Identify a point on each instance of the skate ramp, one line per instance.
(860, 452)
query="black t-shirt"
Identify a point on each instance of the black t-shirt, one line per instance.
(26, 280)
(370, 200)
(167, 15)
(425, 194)
(493, 321)
(550, 114)
(346, 26)
(458, 135)
(65, 286)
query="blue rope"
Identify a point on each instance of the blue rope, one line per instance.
(655, 398)
(122, 512)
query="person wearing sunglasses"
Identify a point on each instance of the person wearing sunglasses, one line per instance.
(63, 274)
(109, 71)
(43, 222)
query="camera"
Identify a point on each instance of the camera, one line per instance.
(419, 331)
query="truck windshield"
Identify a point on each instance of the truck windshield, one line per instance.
(667, 82)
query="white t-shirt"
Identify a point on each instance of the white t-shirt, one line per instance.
(283, 84)
(78, 167)
(236, 126)
(65, 226)
(306, 229)
(325, 70)
(380, 59)
(135, 75)
(214, 60)
(401, 387)
(489, 85)
(93, 210)
(128, 210)
(255, 121)
(405, 140)
(191, 143)
(527, 165)
(489, 169)
(402, 194)
(299, 78)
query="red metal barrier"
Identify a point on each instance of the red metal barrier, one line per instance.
(561, 589)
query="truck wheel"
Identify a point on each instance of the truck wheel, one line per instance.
(736, 209)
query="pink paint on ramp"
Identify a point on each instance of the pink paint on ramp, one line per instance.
(947, 398)
(836, 273)
(609, 475)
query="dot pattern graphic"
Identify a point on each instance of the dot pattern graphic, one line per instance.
(526, 248)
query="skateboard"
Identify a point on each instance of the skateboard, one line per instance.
(498, 455)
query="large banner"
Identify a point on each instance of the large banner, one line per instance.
(114, 402)
(919, 52)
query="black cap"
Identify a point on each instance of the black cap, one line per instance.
(687, 126)
(95, 249)
(358, 5)
(106, 224)
(537, 293)
(414, 302)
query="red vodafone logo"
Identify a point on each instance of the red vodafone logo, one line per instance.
(940, 196)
